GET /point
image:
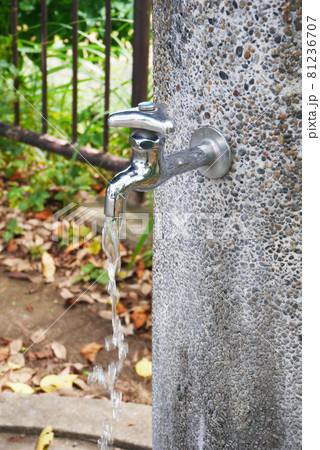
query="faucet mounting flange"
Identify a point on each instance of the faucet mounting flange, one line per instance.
(222, 160)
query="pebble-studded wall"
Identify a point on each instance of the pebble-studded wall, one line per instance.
(226, 278)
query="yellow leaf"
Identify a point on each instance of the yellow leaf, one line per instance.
(52, 382)
(16, 361)
(144, 368)
(94, 248)
(20, 388)
(48, 266)
(45, 439)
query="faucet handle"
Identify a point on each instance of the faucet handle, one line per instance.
(146, 116)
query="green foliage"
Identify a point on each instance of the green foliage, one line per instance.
(46, 177)
(74, 233)
(95, 245)
(33, 196)
(141, 241)
(12, 230)
(36, 252)
(147, 257)
(90, 14)
(92, 273)
(27, 197)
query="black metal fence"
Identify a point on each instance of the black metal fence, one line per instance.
(53, 144)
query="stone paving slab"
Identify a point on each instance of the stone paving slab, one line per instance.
(75, 418)
(12, 441)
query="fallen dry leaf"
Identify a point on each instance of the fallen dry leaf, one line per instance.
(134, 287)
(123, 275)
(43, 215)
(73, 246)
(34, 278)
(36, 379)
(128, 330)
(45, 438)
(59, 350)
(5, 340)
(38, 336)
(121, 309)
(17, 264)
(21, 375)
(107, 315)
(85, 298)
(123, 250)
(81, 384)
(16, 361)
(76, 368)
(146, 289)
(47, 245)
(20, 388)
(66, 294)
(99, 297)
(4, 352)
(59, 229)
(76, 290)
(90, 351)
(17, 176)
(65, 371)
(139, 318)
(44, 354)
(31, 356)
(52, 382)
(140, 269)
(12, 246)
(29, 307)
(144, 368)
(48, 267)
(15, 346)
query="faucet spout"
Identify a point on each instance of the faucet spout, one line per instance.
(143, 174)
(119, 187)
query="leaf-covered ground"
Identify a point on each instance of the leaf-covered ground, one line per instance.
(55, 310)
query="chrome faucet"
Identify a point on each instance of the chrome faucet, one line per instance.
(209, 152)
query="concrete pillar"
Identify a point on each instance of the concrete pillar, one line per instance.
(226, 286)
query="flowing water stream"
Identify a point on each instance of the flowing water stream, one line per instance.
(107, 378)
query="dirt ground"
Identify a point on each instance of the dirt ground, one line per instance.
(27, 307)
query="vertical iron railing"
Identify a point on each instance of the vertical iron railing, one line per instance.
(141, 42)
(44, 66)
(74, 69)
(14, 22)
(107, 75)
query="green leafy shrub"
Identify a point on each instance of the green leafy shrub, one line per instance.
(92, 273)
(12, 230)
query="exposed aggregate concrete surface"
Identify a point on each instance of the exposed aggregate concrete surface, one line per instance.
(227, 254)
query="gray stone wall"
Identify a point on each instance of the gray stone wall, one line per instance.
(226, 286)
